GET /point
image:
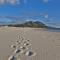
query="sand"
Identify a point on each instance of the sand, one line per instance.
(46, 44)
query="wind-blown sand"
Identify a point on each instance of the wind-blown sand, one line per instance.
(46, 44)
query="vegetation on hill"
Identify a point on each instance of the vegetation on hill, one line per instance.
(31, 24)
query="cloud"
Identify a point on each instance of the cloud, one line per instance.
(18, 1)
(45, 1)
(2, 1)
(46, 16)
(25, 1)
(13, 1)
(27, 20)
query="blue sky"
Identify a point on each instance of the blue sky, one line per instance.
(47, 11)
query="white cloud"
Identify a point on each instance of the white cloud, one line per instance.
(13, 1)
(27, 20)
(25, 1)
(45, 1)
(18, 1)
(2, 1)
(46, 16)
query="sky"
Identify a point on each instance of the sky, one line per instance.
(47, 11)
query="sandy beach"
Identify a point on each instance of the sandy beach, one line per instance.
(46, 44)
